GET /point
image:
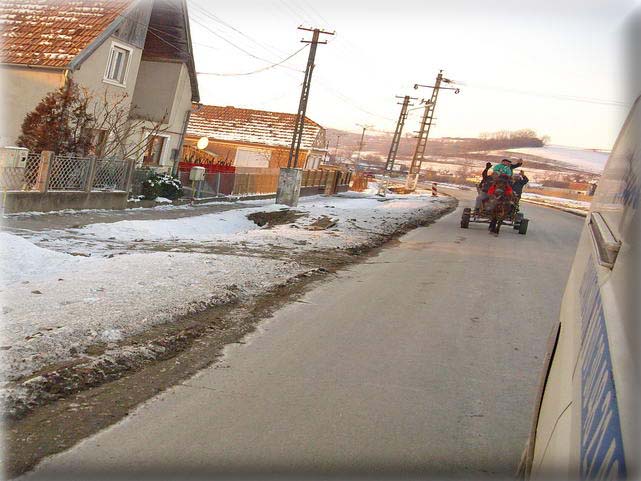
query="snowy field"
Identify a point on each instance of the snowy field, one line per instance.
(65, 290)
(591, 160)
(577, 206)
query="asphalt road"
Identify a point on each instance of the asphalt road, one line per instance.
(423, 358)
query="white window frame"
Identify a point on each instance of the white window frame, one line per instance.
(165, 147)
(129, 50)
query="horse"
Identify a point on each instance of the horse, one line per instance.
(499, 206)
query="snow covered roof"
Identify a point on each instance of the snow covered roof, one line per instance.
(50, 33)
(260, 127)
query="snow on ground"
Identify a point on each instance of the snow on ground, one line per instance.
(21, 260)
(187, 228)
(578, 206)
(56, 304)
(50, 319)
(593, 160)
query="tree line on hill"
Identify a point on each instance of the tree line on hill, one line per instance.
(346, 144)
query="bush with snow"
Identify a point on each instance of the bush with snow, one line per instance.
(162, 185)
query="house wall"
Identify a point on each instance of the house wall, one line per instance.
(90, 75)
(24, 87)
(155, 90)
(179, 105)
(228, 152)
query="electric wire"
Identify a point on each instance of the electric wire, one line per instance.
(263, 69)
(573, 98)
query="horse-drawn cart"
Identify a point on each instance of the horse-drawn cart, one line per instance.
(501, 214)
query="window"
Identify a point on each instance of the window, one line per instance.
(117, 65)
(155, 147)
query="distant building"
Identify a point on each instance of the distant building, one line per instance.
(247, 138)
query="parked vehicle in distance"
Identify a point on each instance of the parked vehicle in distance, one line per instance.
(586, 424)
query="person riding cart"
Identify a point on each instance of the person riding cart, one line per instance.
(482, 188)
(501, 189)
(518, 183)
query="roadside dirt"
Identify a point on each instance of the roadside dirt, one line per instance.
(77, 400)
(270, 219)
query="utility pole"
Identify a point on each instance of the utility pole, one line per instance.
(291, 177)
(304, 95)
(425, 126)
(396, 140)
(360, 144)
(338, 139)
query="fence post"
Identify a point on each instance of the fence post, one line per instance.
(44, 171)
(91, 175)
(131, 168)
(218, 183)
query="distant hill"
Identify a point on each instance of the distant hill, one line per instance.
(592, 160)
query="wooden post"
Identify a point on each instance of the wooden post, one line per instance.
(44, 170)
(131, 168)
(330, 183)
(91, 175)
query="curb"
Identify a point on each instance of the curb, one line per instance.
(563, 209)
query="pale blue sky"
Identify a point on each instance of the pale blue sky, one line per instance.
(560, 49)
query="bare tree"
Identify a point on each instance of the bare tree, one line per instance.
(123, 135)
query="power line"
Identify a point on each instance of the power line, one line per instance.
(256, 71)
(217, 19)
(572, 98)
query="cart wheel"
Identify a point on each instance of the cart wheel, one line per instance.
(523, 226)
(518, 217)
(465, 220)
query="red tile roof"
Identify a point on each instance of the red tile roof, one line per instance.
(250, 126)
(51, 33)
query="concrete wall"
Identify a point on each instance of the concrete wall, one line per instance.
(13, 202)
(23, 89)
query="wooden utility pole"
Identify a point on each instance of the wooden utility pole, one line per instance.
(304, 95)
(360, 144)
(338, 139)
(396, 140)
(424, 128)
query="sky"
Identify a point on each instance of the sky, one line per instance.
(556, 67)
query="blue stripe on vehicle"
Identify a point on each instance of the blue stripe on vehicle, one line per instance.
(602, 455)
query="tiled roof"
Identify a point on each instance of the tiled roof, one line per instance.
(249, 126)
(51, 33)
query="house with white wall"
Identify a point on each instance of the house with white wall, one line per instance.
(255, 139)
(136, 52)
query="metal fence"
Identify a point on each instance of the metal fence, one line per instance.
(229, 183)
(226, 183)
(47, 172)
(27, 177)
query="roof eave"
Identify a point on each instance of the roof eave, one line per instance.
(195, 136)
(191, 64)
(34, 66)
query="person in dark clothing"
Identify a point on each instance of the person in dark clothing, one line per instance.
(483, 187)
(514, 165)
(518, 182)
